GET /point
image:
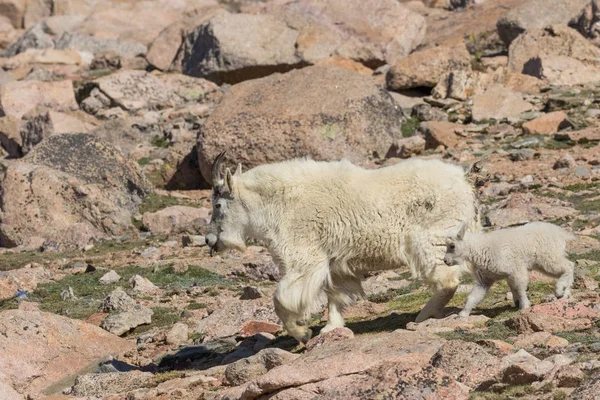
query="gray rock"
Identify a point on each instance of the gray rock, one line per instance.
(118, 300)
(565, 161)
(34, 38)
(91, 44)
(235, 47)
(122, 322)
(178, 334)
(92, 385)
(521, 154)
(582, 172)
(110, 277)
(537, 14)
(36, 126)
(250, 293)
(246, 369)
(426, 112)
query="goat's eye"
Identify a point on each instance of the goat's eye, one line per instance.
(452, 247)
(218, 206)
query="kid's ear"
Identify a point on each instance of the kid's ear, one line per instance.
(461, 231)
(238, 171)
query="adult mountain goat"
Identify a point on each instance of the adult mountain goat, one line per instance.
(327, 223)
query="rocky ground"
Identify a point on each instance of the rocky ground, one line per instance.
(112, 112)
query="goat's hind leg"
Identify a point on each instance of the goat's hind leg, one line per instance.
(475, 297)
(518, 285)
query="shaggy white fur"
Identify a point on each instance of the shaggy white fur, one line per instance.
(327, 223)
(510, 254)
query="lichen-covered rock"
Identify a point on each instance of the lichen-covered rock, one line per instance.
(324, 112)
(466, 362)
(71, 188)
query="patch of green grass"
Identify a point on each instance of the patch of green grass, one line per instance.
(16, 260)
(495, 330)
(90, 293)
(196, 306)
(509, 393)
(559, 395)
(578, 187)
(144, 161)
(154, 202)
(160, 141)
(410, 126)
(196, 337)
(552, 144)
(163, 316)
(587, 336)
(411, 302)
(393, 293)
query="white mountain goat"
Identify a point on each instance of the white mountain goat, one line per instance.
(510, 254)
(327, 223)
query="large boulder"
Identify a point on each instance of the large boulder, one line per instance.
(133, 21)
(372, 32)
(235, 47)
(394, 365)
(168, 44)
(537, 14)
(71, 188)
(38, 349)
(17, 98)
(94, 45)
(133, 90)
(555, 40)
(425, 68)
(324, 112)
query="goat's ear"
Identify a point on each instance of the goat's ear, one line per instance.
(238, 171)
(462, 229)
(228, 181)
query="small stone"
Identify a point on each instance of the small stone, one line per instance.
(565, 161)
(521, 155)
(496, 347)
(178, 334)
(257, 365)
(193, 241)
(569, 376)
(334, 335)
(110, 277)
(557, 342)
(547, 124)
(68, 294)
(406, 147)
(254, 327)
(250, 293)
(140, 284)
(582, 172)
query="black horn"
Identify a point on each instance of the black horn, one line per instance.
(216, 169)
